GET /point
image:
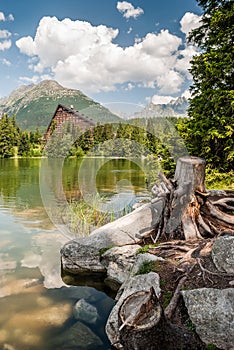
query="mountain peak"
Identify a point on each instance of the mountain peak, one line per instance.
(34, 105)
(175, 108)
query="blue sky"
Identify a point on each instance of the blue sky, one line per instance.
(113, 51)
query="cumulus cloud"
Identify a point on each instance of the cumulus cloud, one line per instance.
(2, 16)
(160, 100)
(32, 80)
(11, 17)
(189, 22)
(5, 44)
(83, 56)
(186, 94)
(129, 10)
(4, 34)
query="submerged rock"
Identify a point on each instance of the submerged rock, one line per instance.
(211, 311)
(79, 337)
(84, 311)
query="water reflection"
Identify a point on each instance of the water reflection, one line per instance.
(36, 306)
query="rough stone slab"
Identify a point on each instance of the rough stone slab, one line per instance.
(223, 254)
(133, 285)
(212, 312)
(79, 258)
(119, 262)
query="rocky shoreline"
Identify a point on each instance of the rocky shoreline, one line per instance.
(209, 304)
(174, 254)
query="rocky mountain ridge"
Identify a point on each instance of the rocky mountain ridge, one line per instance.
(175, 108)
(34, 105)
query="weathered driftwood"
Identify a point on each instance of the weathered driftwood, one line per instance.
(190, 211)
(143, 325)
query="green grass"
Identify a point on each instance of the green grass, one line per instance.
(146, 248)
(167, 299)
(190, 326)
(103, 250)
(80, 217)
(146, 267)
(211, 347)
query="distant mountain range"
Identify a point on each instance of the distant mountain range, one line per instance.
(34, 105)
(175, 108)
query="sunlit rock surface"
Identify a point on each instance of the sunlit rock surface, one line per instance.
(211, 311)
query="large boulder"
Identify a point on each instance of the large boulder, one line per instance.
(78, 258)
(211, 311)
(132, 285)
(223, 254)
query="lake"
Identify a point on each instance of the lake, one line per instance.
(35, 197)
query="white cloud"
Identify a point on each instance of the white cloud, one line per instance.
(83, 56)
(130, 86)
(186, 94)
(183, 63)
(129, 10)
(4, 34)
(5, 44)
(2, 16)
(5, 62)
(33, 80)
(189, 22)
(11, 17)
(160, 100)
(170, 82)
(26, 45)
(129, 30)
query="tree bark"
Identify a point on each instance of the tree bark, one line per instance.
(143, 325)
(190, 212)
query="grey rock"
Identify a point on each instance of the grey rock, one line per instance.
(212, 313)
(84, 311)
(79, 258)
(141, 258)
(223, 254)
(79, 337)
(132, 285)
(119, 262)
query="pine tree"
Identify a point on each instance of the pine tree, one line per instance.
(9, 135)
(209, 130)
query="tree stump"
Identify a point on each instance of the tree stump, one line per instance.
(143, 325)
(189, 179)
(190, 211)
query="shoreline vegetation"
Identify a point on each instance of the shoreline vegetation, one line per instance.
(152, 138)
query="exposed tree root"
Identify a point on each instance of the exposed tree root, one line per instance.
(190, 211)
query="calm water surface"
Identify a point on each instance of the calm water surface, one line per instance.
(35, 304)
